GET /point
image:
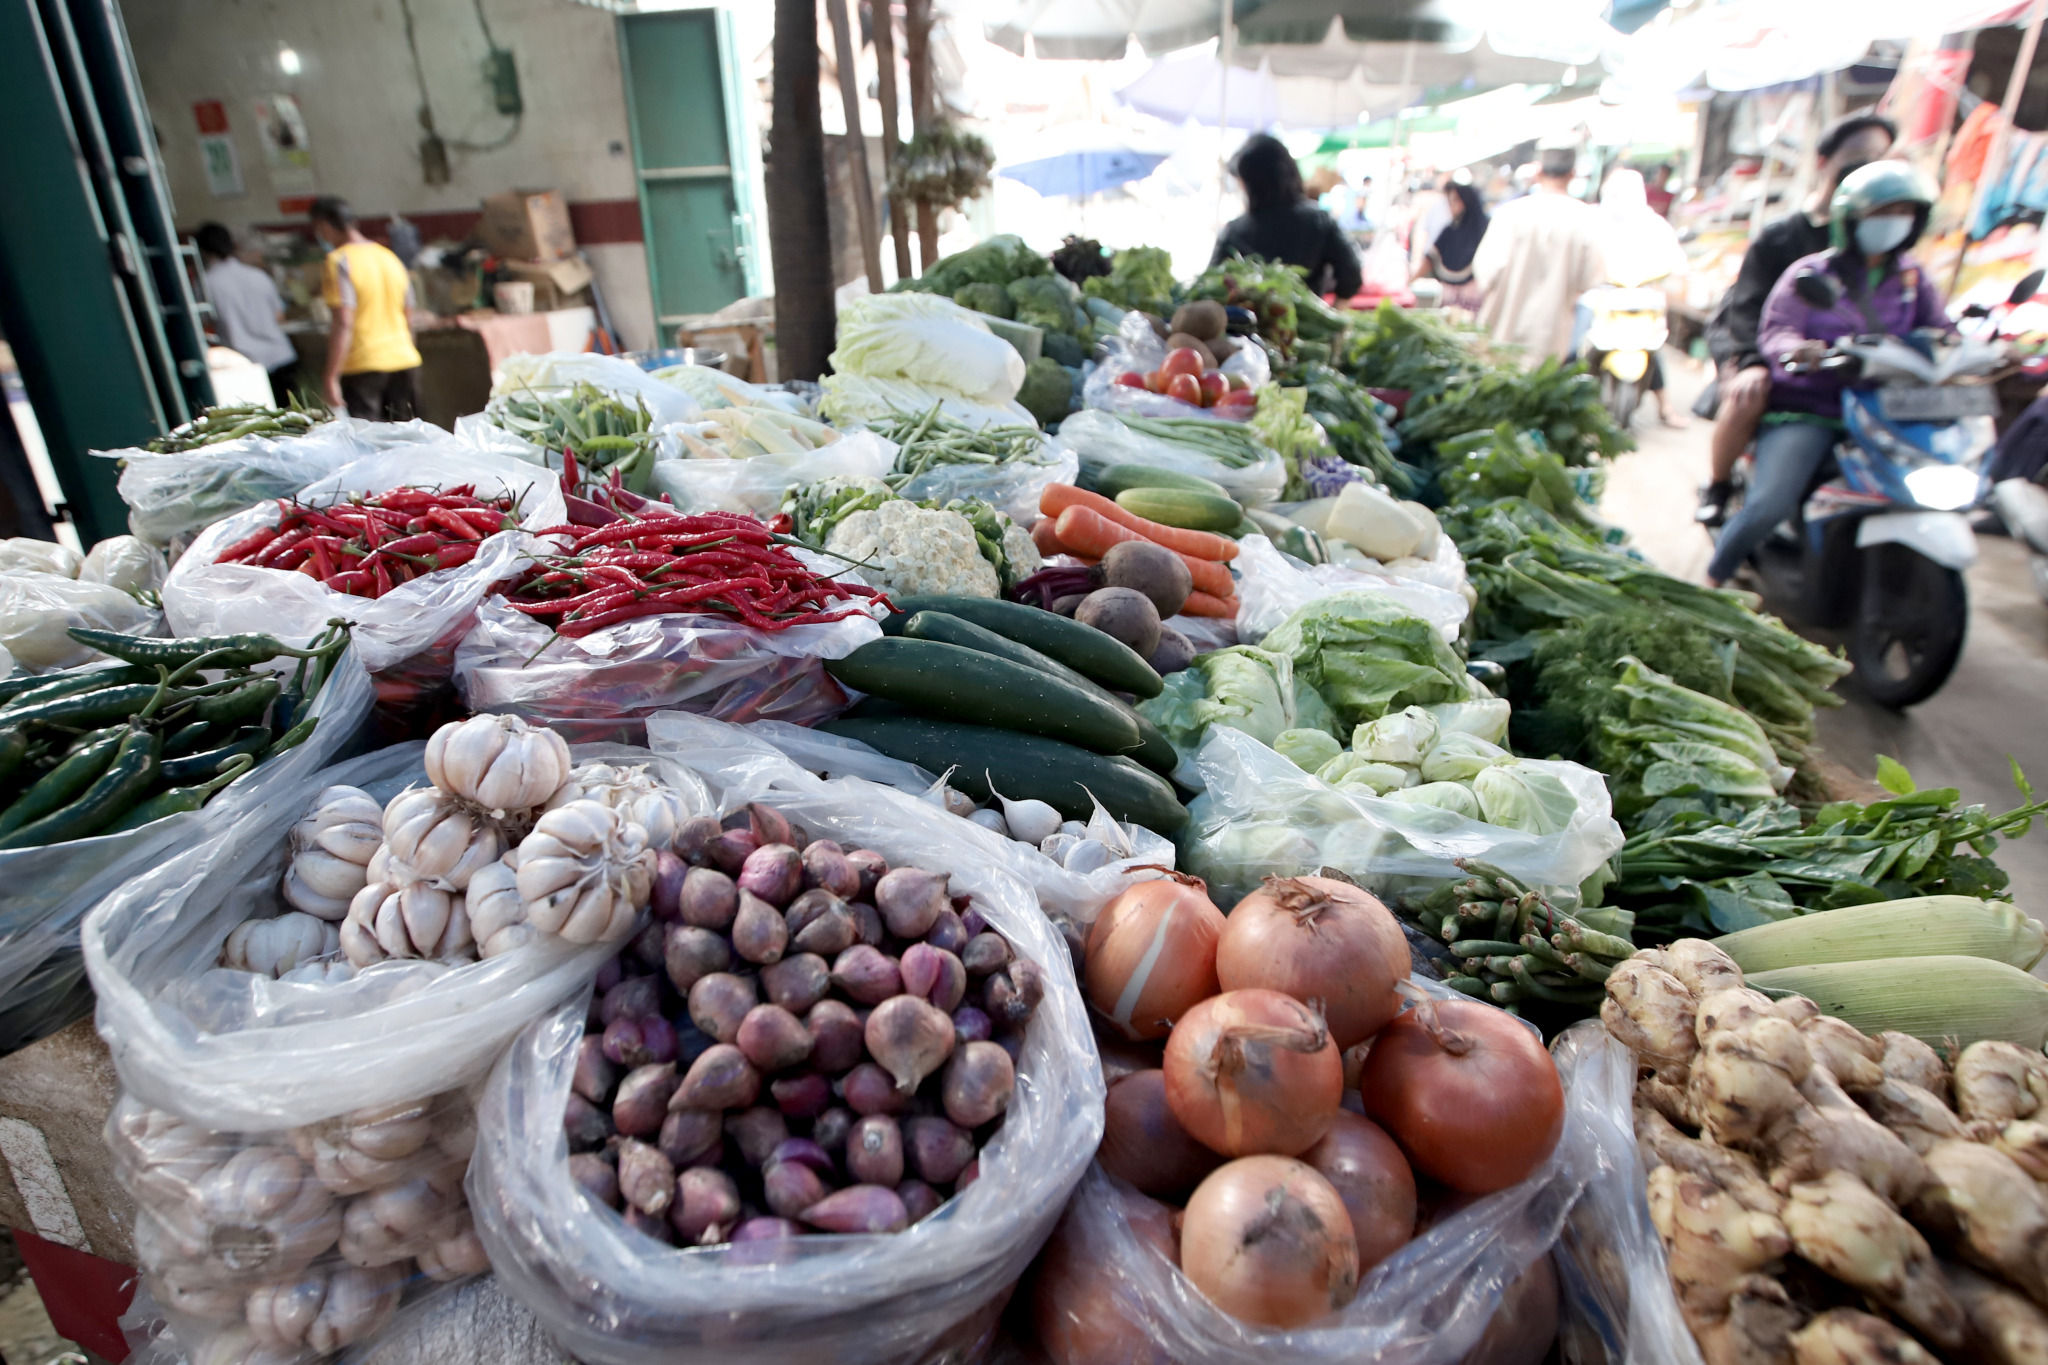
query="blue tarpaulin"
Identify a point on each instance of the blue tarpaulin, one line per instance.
(1084, 172)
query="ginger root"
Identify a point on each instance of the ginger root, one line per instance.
(1839, 1224)
(1847, 1337)
(1912, 1062)
(2005, 1329)
(1994, 1215)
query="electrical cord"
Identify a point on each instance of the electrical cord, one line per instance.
(419, 74)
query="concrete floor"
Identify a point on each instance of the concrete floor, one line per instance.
(1992, 707)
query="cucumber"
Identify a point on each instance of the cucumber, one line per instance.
(963, 684)
(1084, 649)
(1182, 507)
(1154, 750)
(1120, 478)
(1026, 767)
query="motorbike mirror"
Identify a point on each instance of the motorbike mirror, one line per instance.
(1818, 289)
(2029, 285)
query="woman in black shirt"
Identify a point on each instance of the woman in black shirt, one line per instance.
(1280, 224)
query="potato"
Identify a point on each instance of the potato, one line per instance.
(1203, 318)
(1154, 570)
(1122, 614)
(1195, 344)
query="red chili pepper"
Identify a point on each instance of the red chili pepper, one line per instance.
(486, 520)
(352, 581)
(284, 542)
(248, 545)
(460, 552)
(323, 558)
(452, 524)
(424, 543)
(381, 576)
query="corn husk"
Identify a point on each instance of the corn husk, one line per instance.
(1922, 926)
(1939, 1000)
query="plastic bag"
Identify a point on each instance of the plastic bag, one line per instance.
(125, 562)
(1427, 1304)
(1013, 488)
(52, 888)
(605, 684)
(928, 1293)
(758, 485)
(1136, 347)
(1272, 585)
(1101, 440)
(37, 609)
(1260, 816)
(205, 598)
(928, 340)
(172, 496)
(522, 374)
(851, 400)
(26, 554)
(717, 389)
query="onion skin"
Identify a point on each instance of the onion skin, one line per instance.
(1254, 1072)
(689, 1136)
(708, 899)
(978, 1083)
(1318, 940)
(1268, 1241)
(1144, 1145)
(919, 1199)
(797, 983)
(1151, 955)
(757, 1133)
(1076, 1311)
(837, 1041)
(643, 1099)
(1366, 1168)
(1468, 1092)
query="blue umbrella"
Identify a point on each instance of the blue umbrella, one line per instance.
(1085, 171)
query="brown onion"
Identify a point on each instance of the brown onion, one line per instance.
(695, 836)
(910, 1039)
(1151, 955)
(1077, 1300)
(1321, 941)
(1468, 1092)
(1370, 1175)
(1268, 1241)
(796, 983)
(910, 900)
(1144, 1145)
(719, 1004)
(1253, 1072)
(1522, 1329)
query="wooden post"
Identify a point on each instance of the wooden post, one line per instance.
(856, 143)
(882, 21)
(917, 49)
(799, 238)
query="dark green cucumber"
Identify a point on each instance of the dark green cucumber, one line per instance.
(1122, 478)
(962, 684)
(1025, 767)
(1084, 649)
(1154, 750)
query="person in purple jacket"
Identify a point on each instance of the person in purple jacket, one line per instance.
(1879, 212)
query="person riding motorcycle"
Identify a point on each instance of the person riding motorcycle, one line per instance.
(1879, 212)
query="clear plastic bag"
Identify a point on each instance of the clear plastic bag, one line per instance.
(929, 1293)
(173, 496)
(1261, 816)
(1012, 488)
(125, 562)
(38, 609)
(758, 485)
(1101, 440)
(1272, 585)
(1137, 347)
(52, 888)
(205, 598)
(558, 370)
(605, 684)
(852, 400)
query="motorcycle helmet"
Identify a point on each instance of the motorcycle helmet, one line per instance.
(1880, 185)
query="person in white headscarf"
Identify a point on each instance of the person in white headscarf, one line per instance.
(1641, 250)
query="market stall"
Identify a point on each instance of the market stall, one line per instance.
(1143, 820)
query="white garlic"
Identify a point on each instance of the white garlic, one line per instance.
(457, 1251)
(408, 920)
(261, 1215)
(392, 1222)
(272, 947)
(325, 1309)
(439, 838)
(498, 762)
(497, 915)
(365, 1148)
(634, 793)
(331, 845)
(585, 873)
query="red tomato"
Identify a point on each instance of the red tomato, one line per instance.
(1131, 379)
(1186, 388)
(1187, 360)
(1213, 388)
(1238, 398)
(1155, 382)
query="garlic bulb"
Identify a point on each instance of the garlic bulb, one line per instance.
(331, 845)
(365, 1148)
(327, 1308)
(497, 915)
(174, 1288)
(160, 1156)
(259, 1216)
(412, 919)
(320, 972)
(634, 793)
(438, 837)
(500, 763)
(237, 1345)
(392, 1222)
(585, 873)
(272, 947)
(456, 1251)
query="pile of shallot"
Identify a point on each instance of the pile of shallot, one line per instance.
(1306, 1122)
(803, 1040)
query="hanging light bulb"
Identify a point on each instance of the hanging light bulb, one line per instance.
(288, 60)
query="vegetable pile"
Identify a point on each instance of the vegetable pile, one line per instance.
(603, 430)
(366, 546)
(803, 1040)
(218, 425)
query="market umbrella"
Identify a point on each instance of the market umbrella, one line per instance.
(1189, 85)
(1380, 133)
(1479, 43)
(1083, 171)
(1099, 30)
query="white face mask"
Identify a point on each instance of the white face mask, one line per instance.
(1876, 236)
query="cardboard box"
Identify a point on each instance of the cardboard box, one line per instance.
(556, 284)
(528, 225)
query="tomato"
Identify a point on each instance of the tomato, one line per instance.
(1186, 388)
(1213, 388)
(1155, 382)
(1238, 383)
(1187, 360)
(1131, 379)
(1238, 398)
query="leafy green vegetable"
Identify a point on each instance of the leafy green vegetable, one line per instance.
(1141, 278)
(1049, 302)
(1367, 656)
(1482, 717)
(1048, 392)
(1517, 795)
(982, 297)
(1278, 297)
(1357, 428)
(1243, 687)
(1451, 796)
(1356, 770)
(1458, 757)
(996, 261)
(1307, 749)
(1561, 403)
(1401, 737)
(1412, 351)
(1281, 422)
(1482, 466)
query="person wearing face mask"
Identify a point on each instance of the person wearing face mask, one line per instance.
(1879, 212)
(1743, 377)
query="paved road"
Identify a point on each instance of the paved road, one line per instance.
(1996, 703)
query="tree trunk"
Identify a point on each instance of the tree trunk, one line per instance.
(917, 51)
(799, 232)
(882, 22)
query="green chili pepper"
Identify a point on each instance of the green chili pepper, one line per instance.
(132, 772)
(187, 738)
(13, 750)
(77, 684)
(249, 741)
(243, 703)
(180, 799)
(65, 781)
(229, 651)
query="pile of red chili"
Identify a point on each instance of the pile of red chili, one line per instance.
(369, 545)
(722, 562)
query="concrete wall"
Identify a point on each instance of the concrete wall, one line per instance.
(360, 100)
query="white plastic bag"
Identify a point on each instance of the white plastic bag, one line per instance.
(1260, 816)
(172, 496)
(125, 562)
(433, 610)
(605, 684)
(38, 609)
(1013, 488)
(758, 485)
(928, 340)
(928, 1293)
(1137, 348)
(1272, 585)
(1101, 440)
(853, 400)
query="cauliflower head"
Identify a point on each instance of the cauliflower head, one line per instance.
(905, 549)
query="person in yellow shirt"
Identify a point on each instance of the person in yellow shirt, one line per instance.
(372, 366)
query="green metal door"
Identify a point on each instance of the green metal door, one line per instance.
(695, 159)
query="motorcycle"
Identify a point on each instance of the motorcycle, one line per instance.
(1881, 541)
(1628, 327)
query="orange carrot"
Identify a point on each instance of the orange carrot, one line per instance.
(1085, 531)
(1058, 497)
(1202, 604)
(1045, 538)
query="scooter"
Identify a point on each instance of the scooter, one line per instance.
(1628, 327)
(1881, 543)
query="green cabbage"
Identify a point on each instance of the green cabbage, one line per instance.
(1451, 796)
(1485, 717)
(1367, 656)
(1459, 757)
(1243, 687)
(1403, 737)
(1515, 794)
(1307, 749)
(1349, 770)
(1050, 302)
